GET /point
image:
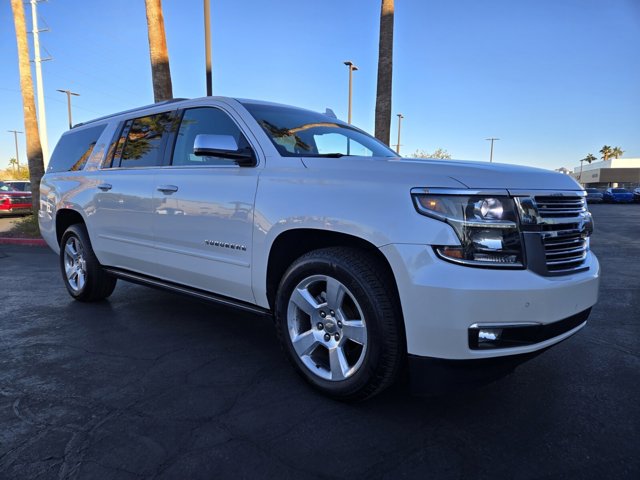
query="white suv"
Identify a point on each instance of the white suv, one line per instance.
(364, 259)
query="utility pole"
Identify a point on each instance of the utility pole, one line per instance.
(37, 61)
(352, 68)
(15, 137)
(492, 139)
(207, 46)
(69, 93)
(400, 117)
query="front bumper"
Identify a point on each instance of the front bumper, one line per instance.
(15, 208)
(441, 301)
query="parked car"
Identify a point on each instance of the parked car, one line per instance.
(636, 194)
(594, 195)
(617, 195)
(14, 201)
(365, 260)
(19, 185)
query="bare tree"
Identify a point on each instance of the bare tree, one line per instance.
(160, 71)
(385, 73)
(440, 154)
(34, 149)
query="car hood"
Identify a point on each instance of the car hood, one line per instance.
(450, 173)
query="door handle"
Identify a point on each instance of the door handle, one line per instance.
(105, 186)
(167, 189)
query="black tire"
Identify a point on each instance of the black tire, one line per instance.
(97, 284)
(373, 294)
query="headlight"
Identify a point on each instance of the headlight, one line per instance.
(486, 224)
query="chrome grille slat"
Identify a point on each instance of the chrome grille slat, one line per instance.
(564, 261)
(565, 251)
(568, 242)
(564, 211)
(565, 248)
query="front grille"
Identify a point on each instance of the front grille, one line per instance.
(22, 199)
(559, 207)
(565, 242)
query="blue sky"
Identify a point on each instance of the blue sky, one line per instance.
(553, 79)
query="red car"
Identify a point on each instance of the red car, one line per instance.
(14, 201)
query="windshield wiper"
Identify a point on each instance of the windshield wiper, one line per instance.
(330, 155)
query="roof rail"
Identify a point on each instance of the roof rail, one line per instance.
(166, 102)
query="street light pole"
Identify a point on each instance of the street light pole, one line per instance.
(69, 93)
(492, 139)
(207, 46)
(37, 62)
(400, 117)
(15, 137)
(352, 68)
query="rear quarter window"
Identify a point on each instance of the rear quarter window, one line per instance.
(74, 149)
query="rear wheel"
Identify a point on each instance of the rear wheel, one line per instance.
(339, 322)
(83, 275)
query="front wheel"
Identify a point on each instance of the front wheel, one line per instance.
(339, 322)
(82, 273)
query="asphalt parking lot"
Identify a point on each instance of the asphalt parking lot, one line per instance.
(153, 385)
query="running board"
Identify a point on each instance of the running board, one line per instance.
(184, 290)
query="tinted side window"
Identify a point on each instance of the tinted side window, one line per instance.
(145, 140)
(206, 120)
(74, 149)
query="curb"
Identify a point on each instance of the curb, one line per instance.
(30, 242)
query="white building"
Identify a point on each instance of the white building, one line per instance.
(615, 172)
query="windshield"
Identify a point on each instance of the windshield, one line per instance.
(301, 133)
(619, 190)
(592, 190)
(18, 186)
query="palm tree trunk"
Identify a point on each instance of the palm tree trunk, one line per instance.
(34, 149)
(385, 73)
(160, 71)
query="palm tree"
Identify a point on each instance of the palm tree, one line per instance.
(589, 158)
(617, 152)
(385, 73)
(606, 152)
(34, 149)
(160, 71)
(14, 163)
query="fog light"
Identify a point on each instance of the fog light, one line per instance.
(488, 336)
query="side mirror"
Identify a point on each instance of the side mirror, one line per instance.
(224, 146)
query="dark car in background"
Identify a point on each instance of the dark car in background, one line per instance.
(636, 194)
(14, 201)
(594, 195)
(617, 195)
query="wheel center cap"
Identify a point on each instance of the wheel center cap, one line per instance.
(330, 325)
